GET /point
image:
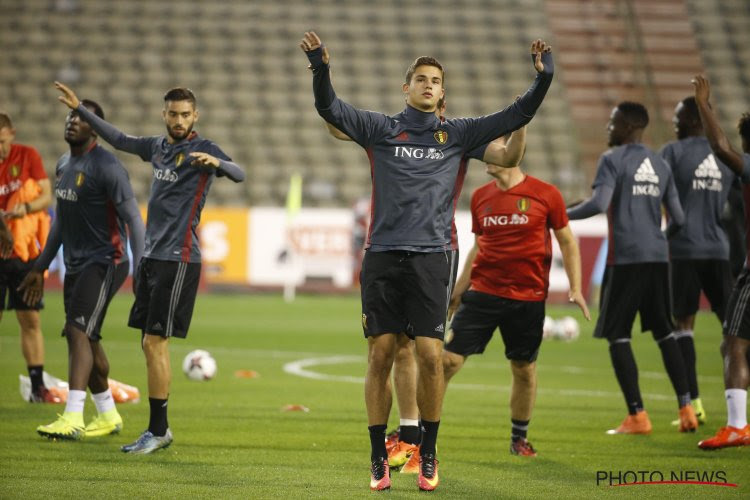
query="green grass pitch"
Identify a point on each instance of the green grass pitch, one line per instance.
(233, 441)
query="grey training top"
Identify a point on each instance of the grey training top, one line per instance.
(87, 189)
(416, 161)
(640, 180)
(178, 189)
(703, 184)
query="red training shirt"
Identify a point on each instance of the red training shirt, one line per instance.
(515, 245)
(22, 163)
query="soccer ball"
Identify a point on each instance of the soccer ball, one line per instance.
(199, 365)
(568, 328)
(549, 330)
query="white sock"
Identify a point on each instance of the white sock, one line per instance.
(76, 399)
(404, 422)
(103, 401)
(736, 407)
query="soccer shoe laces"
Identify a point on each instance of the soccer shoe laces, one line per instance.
(378, 469)
(429, 466)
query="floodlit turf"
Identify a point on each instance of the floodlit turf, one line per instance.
(232, 440)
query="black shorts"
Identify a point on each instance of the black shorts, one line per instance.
(164, 297)
(520, 323)
(628, 289)
(87, 295)
(690, 277)
(737, 322)
(406, 292)
(12, 273)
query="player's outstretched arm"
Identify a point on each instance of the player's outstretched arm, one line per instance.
(572, 263)
(32, 286)
(140, 146)
(716, 136)
(464, 280)
(228, 168)
(507, 154)
(598, 203)
(485, 129)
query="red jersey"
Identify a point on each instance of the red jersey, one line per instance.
(22, 163)
(515, 245)
(20, 174)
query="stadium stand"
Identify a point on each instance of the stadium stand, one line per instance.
(242, 60)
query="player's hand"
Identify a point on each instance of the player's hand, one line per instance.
(311, 41)
(453, 305)
(32, 287)
(576, 297)
(538, 47)
(19, 210)
(6, 243)
(68, 97)
(204, 160)
(702, 88)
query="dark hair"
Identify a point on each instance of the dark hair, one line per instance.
(98, 111)
(691, 108)
(743, 127)
(5, 121)
(635, 113)
(180, 94)
(424, 61)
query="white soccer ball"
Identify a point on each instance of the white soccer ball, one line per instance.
(549, 330)
(199, 365)
(568, 328)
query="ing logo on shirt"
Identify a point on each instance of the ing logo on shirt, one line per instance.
(523, 204)
(441, 136)
(179, 159)
(79, 179)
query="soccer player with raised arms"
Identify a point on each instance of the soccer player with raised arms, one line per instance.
(735, 346)
(94, 204)
(699, 249)
(410, 259)
(631, 184)
(184, 165)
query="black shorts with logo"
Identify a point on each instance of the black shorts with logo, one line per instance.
(520, 323)
(87, 295)
(407, 292)
(737, 322)
(628, 289)
(690, 277)
(12, 273)
(164, 297)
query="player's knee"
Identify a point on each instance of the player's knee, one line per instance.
(523, 371)
(452, 362)
(29, 322)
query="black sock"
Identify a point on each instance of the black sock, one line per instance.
(672, 358)
(409, 434)
(35, 374)
(687, 349)
(157, 423)
(377, 442)
(627, 374)
(429, 438)
(518, 429)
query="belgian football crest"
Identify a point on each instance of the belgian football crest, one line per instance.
(179, 159)
(441, 136)
(15, 170)
(79, 179)
(523, 204)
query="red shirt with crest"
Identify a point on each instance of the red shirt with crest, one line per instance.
(22, 163)
(513, 234)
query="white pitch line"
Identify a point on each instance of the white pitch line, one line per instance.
(300, 369)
